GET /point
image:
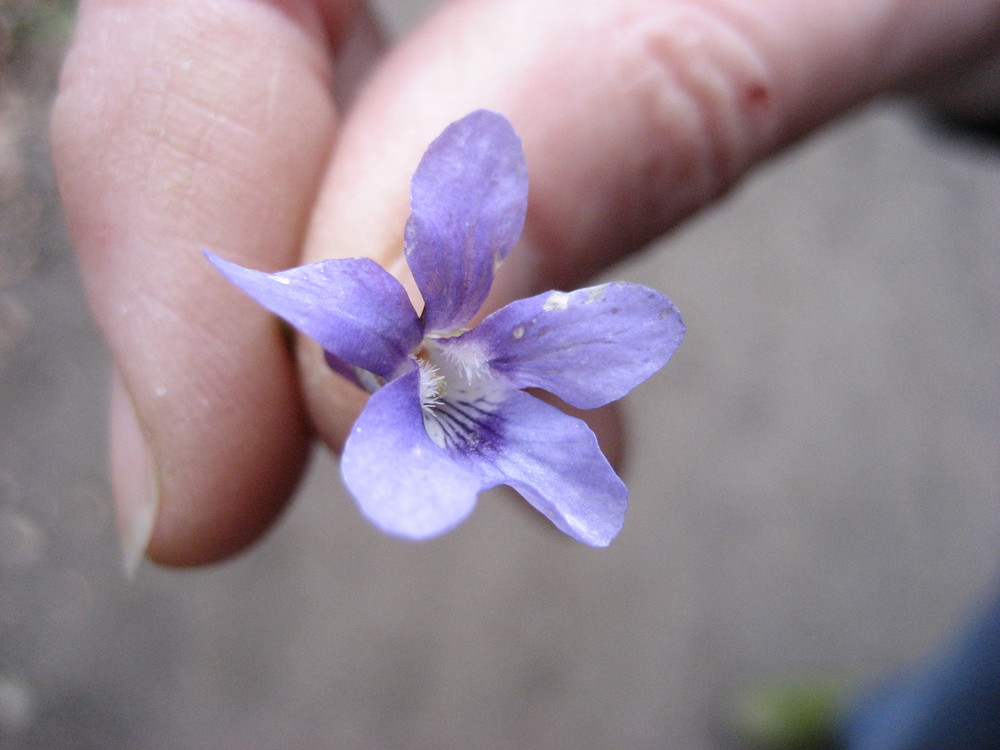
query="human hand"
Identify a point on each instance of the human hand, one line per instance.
(185, 124)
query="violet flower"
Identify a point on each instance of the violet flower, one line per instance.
(447, 417)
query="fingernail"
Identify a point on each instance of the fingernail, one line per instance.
(134, 479)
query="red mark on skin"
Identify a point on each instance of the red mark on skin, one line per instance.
(757, 96)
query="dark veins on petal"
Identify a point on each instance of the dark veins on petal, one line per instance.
(467, 426)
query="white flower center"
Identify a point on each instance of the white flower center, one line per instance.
(467, 359)
(458, 394)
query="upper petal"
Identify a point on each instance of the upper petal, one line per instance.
(554, 461)
(468, 201)
(354, 308)
(588, 347)
(403, 482)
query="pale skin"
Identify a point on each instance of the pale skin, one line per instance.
(185, 124)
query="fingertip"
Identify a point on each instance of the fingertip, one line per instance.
(181, 500)
(210, 515)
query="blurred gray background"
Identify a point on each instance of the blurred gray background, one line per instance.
(815, 491)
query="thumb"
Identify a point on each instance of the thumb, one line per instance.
(633, 114)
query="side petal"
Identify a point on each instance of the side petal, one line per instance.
(468, 201)
(404, 483)
(588, 347)
(554, 461)
(354, 308)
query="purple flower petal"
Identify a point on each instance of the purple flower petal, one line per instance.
(403, 482)
(554, 461)
(356, 311)
(589, 347)
(468, 200)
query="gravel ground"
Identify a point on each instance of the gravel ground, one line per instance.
(814, 479)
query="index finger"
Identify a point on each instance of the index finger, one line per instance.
(633, 114)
